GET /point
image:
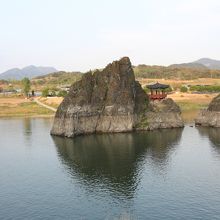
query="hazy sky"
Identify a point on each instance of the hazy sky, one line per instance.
(88, 34)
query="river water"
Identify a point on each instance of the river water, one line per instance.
(164, 174)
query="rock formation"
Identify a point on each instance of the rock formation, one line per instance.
(161, 114)
(111, 101)
(211, 115)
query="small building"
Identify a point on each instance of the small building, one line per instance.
(157, 91)
(65, 88)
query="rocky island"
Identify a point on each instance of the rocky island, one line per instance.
(210, 117)
(112, 101)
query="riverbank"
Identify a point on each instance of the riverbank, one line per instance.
(191, 104)
(18, 106)
(190, 101)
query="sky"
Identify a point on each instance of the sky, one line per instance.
(79, 35)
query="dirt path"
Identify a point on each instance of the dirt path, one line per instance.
(44, 105)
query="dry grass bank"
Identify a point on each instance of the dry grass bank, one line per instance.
(18, 106)
(188, 101)
(51, 101)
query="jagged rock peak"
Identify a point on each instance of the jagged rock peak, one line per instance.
(112, 101)
(103, 101)
(215, 104)
(210, 117)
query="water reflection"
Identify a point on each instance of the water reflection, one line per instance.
(115, 161)
(160, 144)
(27, 127)
(27, 130)
(214, 136)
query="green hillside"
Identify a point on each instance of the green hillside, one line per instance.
(162, 72)
(58, 78)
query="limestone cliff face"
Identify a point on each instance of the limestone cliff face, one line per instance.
(104, 101)
(211, 115)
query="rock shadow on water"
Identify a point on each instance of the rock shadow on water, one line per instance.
(115, 162)
(213, 134)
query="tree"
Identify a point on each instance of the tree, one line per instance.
(45, 92)
(62, 93)
(26, 83)
(183, 89)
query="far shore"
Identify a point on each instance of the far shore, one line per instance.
(26, 116)
(18, 106)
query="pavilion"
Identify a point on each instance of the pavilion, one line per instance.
(157, 91)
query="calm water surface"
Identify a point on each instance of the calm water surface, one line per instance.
(166, 174)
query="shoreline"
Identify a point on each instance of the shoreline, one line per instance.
(12, 107)
(26, 116)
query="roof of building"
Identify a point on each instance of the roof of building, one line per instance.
(158, 86)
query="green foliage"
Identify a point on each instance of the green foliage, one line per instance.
(39, 82)
(62, 93)
(49, 92)
(205, 88)
(188, 106)
(143, 123)
(183, 89)
(169, 89)
(45, 92)
(162, 72)
(58, 78)
(147, 90)
(26, 84)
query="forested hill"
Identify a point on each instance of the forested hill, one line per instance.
(172, 72)
(202, 68)
(141, 71)
(58, 78)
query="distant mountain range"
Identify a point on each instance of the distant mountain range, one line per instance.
(28, 71)
(204, 66)
(209, 63)
(204, 63)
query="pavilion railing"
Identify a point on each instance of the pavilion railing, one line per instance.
(157, 96)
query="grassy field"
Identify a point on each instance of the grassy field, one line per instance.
(188, 101)
(20, 107)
